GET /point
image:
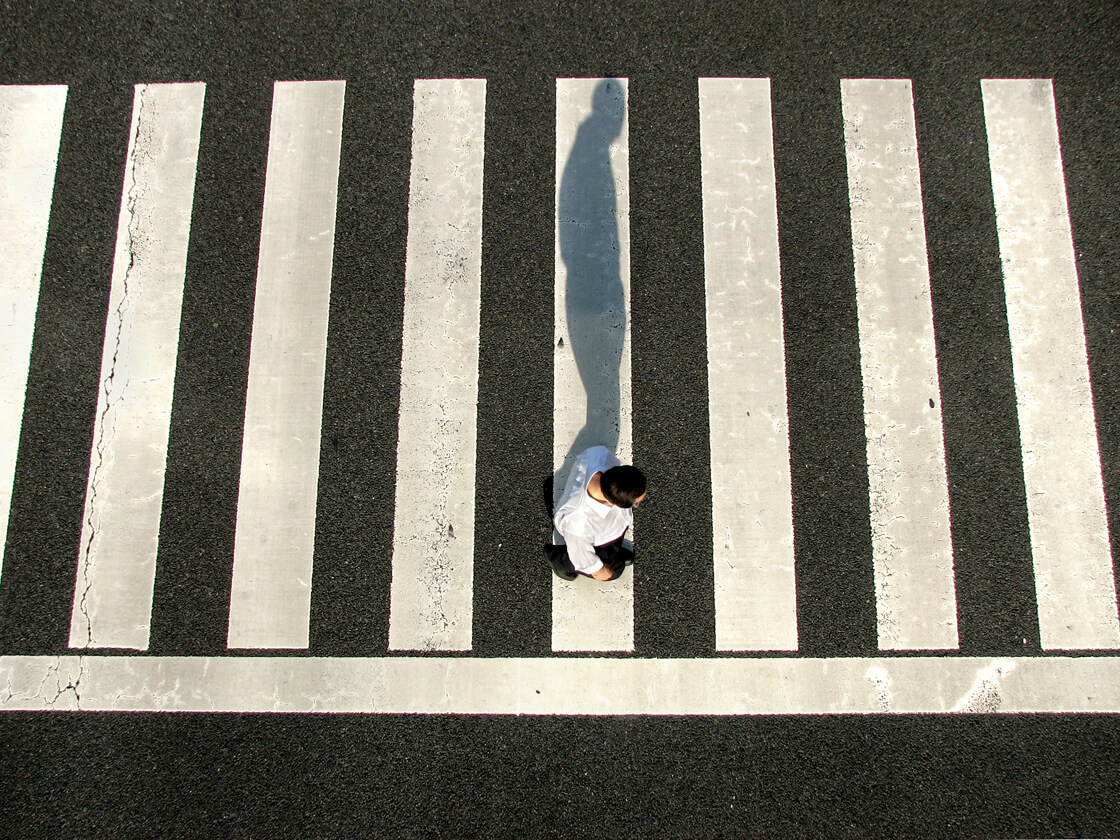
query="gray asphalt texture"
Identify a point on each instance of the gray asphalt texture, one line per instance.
(612, 777)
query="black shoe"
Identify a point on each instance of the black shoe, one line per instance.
(626, 551)
(561, 572)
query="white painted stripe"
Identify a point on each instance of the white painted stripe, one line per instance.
(30, 132)
(910, 538)
(431, 604)
(1061, 463)
(275, 540)
(562, 686)
(124, 490)
(752, 505)
(593, 275)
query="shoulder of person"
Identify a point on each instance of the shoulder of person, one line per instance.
(569, 508)
(595, 452)
(570, 519)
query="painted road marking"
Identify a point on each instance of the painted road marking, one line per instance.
(431, 606)
(591, 368)
(752, 504)
(275, 540)
(124, 490)
(1061, 463)
(909, 493)
(1077, 605)
(30, 133)
(562, 685)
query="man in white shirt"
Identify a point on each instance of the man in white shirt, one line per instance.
(593, 515)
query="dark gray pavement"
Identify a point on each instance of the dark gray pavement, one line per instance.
(93, 775)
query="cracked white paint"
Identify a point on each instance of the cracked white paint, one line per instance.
(124, 490)
(562, 686)
(30, 132)
(274, 545)
(752, 505)
(586, 614)
(1074, 581)
(431, 597)
(909, 495)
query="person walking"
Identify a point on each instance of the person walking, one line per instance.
(593, 515)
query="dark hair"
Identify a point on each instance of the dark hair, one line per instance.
(623, 485)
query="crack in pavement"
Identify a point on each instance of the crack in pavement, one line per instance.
(72, 685)
(107, 421)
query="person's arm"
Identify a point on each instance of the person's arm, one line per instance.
(581, 548)
(584, 559)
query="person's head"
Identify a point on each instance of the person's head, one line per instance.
(608, 105)
(623, 486)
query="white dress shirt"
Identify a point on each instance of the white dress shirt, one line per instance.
(584, 522)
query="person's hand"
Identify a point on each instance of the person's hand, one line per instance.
(604, 573)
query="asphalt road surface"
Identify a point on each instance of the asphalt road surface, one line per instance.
(547, 774)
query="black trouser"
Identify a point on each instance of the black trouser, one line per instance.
(615, 556)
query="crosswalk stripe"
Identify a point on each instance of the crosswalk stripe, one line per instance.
(560, 685)
(431, 599)
(30, 133)
(752, 509)
(591, 366)
(909, 495)
(275, 537)
(124, 490)
(431, 604)
(1061, 462)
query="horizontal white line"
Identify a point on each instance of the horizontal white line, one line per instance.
(560, 685)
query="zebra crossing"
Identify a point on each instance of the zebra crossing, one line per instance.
(432, 592)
